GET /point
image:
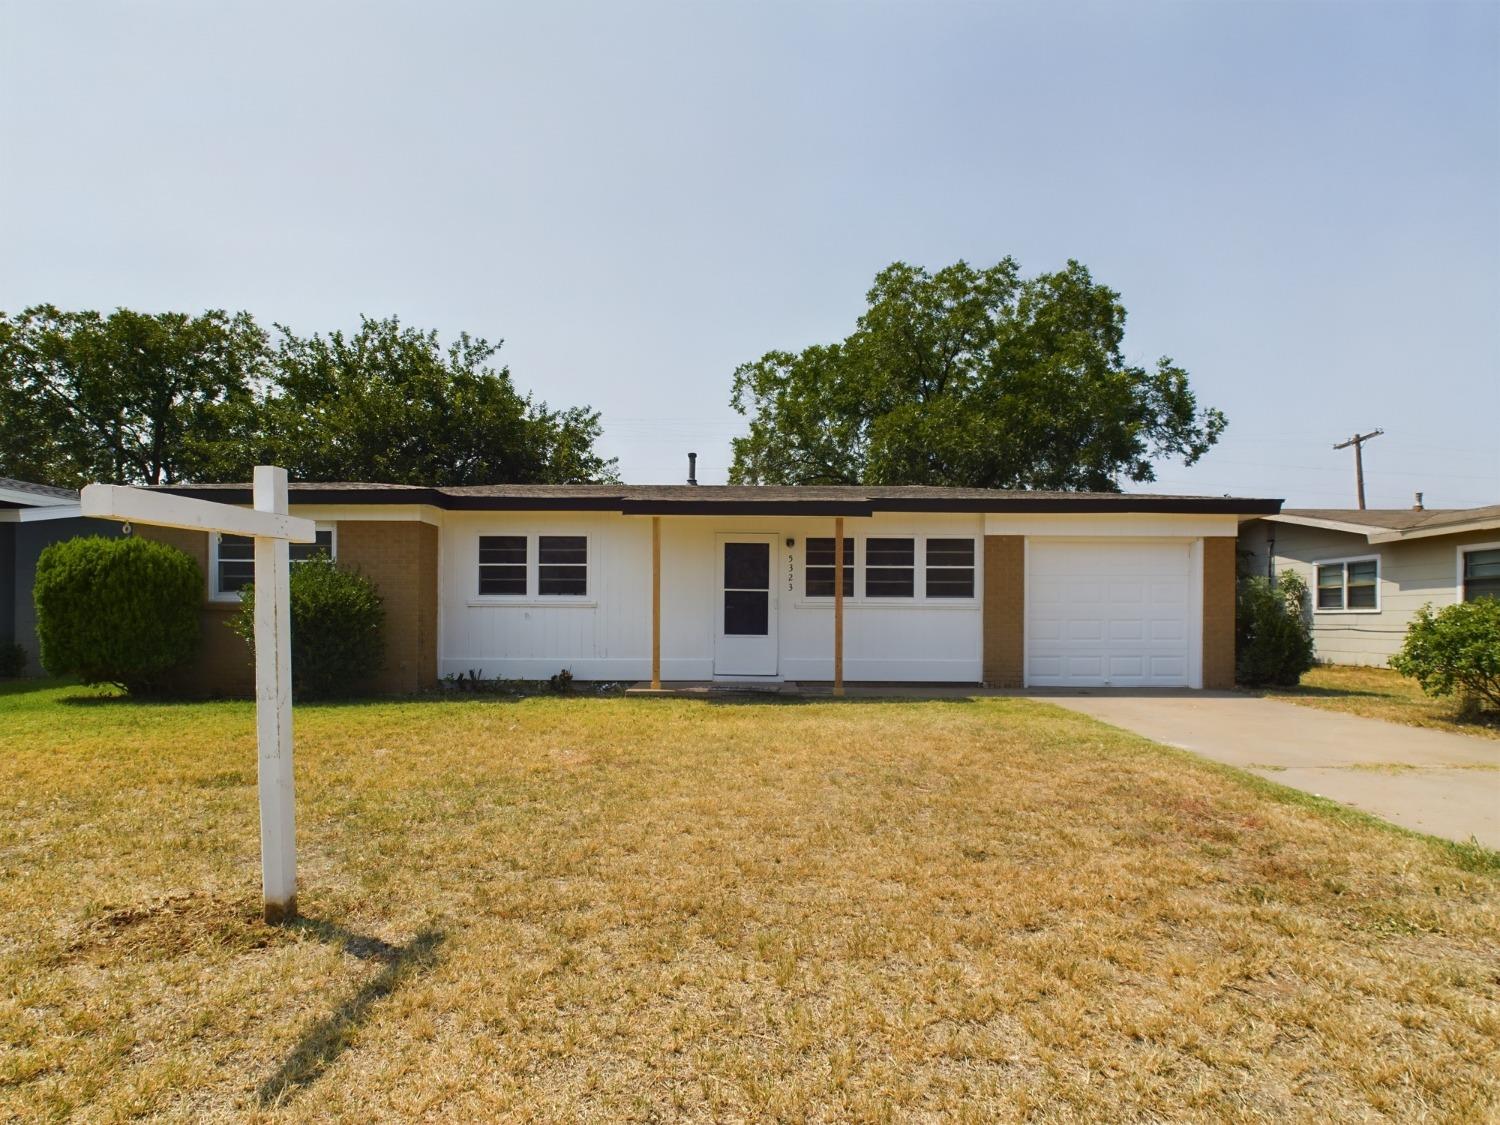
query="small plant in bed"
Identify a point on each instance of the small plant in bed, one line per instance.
(338, 628)
(12, 661)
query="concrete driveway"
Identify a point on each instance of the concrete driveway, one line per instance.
(1434, 782)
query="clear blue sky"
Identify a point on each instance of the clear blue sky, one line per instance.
(1299, 202)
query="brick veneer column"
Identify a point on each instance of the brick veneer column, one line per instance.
(1004, 610)
(400, 557)
(1218, 611)
(225, 664)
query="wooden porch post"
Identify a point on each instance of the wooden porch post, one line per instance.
(655, 603)
(838, 605)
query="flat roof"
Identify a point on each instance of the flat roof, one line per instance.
(717, 499)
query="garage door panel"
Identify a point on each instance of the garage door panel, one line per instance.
(1088, 629)
(1084, 666)
(1108, 614)
(1168, 629)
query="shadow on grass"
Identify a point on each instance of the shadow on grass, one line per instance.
(326, 1040)
(1334, 693)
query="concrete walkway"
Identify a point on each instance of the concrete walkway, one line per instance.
(1428, 780)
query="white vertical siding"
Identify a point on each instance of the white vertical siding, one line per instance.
(607, 634)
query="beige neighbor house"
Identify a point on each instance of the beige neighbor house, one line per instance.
(1370, 570)
(702, 583)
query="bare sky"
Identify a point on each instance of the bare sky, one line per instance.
(1300, 203)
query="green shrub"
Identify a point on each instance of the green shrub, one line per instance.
(1455, 651)
(117, 611)
(1273, 642)
(338, 628)
(12, 661)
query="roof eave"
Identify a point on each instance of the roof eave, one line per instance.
(1331, 525)
(1487, 524)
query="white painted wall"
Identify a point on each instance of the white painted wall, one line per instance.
(607, 635)
(1412, 573)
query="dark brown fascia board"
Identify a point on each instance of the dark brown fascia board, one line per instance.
(745, 508)
(1173, 505)
(437, 498)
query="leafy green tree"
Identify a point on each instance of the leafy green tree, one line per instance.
(138, 398)
(970, 377)
(389, 403)
(1455, 651)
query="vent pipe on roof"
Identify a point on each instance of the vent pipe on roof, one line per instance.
(1417, 506)
(692, 468)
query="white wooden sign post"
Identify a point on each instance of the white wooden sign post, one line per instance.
(272, 529)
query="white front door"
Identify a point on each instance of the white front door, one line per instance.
(1108, 614)
(745, 633)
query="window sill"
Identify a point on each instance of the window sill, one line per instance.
(890, 603)
(1345, 612)
(559, 602)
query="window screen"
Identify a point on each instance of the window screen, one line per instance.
(1481, 574)
(820, 568)
(562, 565)
(747, 589)
(1360, 583)
(502, 564)
(890, 568)
(1331, 586)
(950, 568)
(236, 566)
(1349, 585)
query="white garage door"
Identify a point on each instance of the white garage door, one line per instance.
(1108, 614)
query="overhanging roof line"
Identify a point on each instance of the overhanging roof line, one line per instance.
(746, 500)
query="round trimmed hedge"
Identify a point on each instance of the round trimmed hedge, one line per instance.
(117, 611)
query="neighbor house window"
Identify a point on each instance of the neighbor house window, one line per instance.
(820, 568)
(1348, 585)
(562, 565)
(950, 568)
(502, 564)
(234, 559)
(890, 568)
(1481, 573)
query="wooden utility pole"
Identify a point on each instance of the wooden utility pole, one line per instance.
(1358, 441)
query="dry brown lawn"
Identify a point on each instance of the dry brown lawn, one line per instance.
(1381, 693)
(619, 909)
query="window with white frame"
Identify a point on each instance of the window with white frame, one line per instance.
(1479, 572)
(1348, 585)
(562, 565)
(820, 567)
(233, 561)
(890, 568)
(502, 564)
(950, 568)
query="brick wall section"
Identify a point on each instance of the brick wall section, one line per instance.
(400, 557)
(1218, 611)
(1004, 610)
(225, 664)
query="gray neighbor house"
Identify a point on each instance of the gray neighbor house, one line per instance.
(32, 516)
(1370, 570)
